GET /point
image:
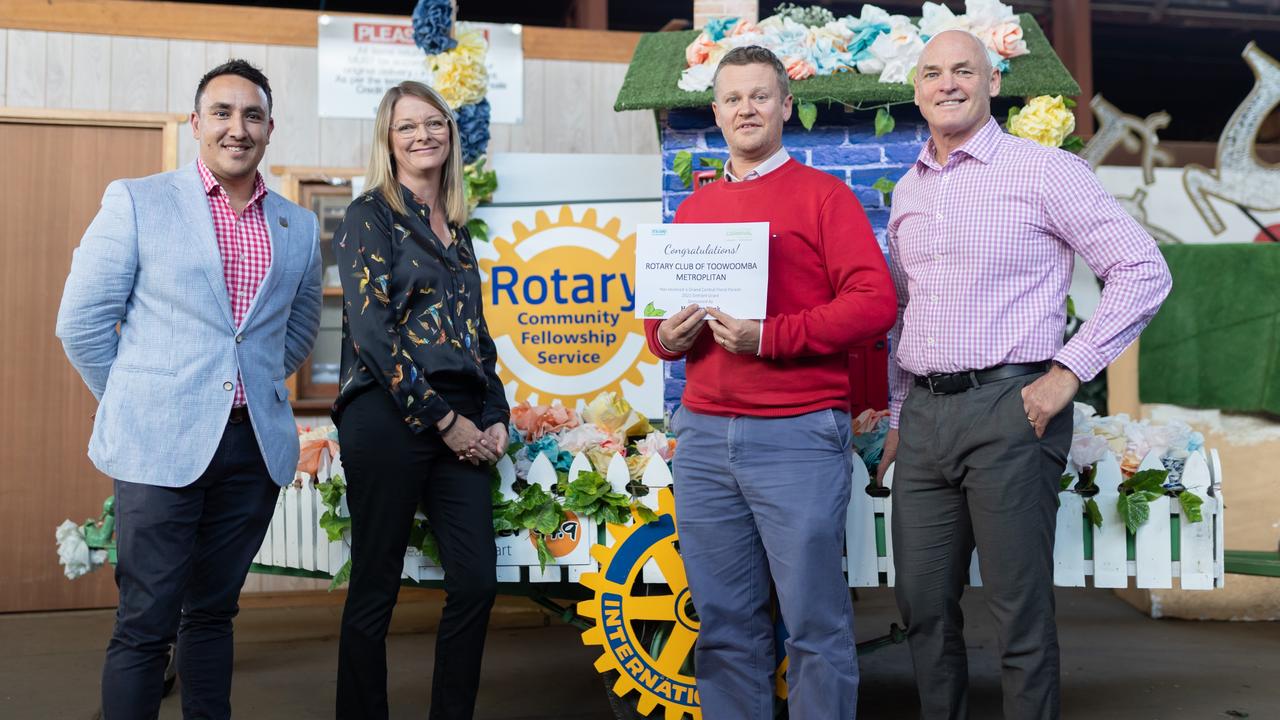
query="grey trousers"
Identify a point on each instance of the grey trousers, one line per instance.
(970, 470)
(762, 498)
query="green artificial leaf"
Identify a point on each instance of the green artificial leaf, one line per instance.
(1191, 503)
(1068, 102)
(885, 186)
(429, 546)
(1135, 509)
(1064, 482)
(1093, 512)
(1150, 481)
(333, 525)
(644, 513)
(884, 122)
(331, 492)
(478, 229)
(1071, 307)
(651, 311)
(591, 495)
(911, 75)
(808, 113)
(342, 577)
(711, 162)
(1073, 144)
(1013, 113)
(544, 553)
(682, 165)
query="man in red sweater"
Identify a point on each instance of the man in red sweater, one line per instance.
(763, 465)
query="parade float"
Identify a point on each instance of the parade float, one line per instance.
(583, 507)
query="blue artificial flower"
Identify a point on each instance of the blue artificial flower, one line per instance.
(433, 26)
(546, 445)
(563, 461)
(473, 127)
(717, 28)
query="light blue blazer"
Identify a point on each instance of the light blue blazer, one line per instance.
(149, 262)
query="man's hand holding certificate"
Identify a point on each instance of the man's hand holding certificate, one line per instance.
(724, 266)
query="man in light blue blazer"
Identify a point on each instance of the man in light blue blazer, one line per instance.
(191, 298)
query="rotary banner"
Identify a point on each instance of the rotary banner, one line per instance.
(559, 282)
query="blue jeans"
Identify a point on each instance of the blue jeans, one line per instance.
(761, 499)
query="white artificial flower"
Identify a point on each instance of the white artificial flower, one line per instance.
(74, 554)
(936, 18)
(898, 50)
(984, 14)
(697, 78)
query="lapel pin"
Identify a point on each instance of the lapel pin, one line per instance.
(284, 222)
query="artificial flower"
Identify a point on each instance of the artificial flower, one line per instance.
(657, 443)
(433, 26)
(612, 412)
(636, 465)
(799, 69)
(73, 552)
(717, 28)
(936, 18)
(535, 421)
(897, 51)
(583, 437)
(1046, 120)
(983, 14)
(459, 74)
(1006, 39)
(699, 49)
(473, 128)
(696, 78)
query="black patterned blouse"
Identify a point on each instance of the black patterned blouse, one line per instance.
(412, 317)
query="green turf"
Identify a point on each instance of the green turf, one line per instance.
(659, 59)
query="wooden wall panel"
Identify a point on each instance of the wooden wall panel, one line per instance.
(4, 59)
(568, 106)
(25, 71)
(296, 140)
(186, 66)
(139, 74)
(90, 71)
(47, 409)
(58, 91)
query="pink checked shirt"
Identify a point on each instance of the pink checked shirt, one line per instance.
(245, 246)
(981, 252)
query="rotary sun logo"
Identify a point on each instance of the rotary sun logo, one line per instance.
(560, 304)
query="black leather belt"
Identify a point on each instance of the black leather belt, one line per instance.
(239, 414)
(952, 383)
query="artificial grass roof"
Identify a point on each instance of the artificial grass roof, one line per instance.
(659, 59)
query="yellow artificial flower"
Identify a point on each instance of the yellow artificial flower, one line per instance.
(1046, 119)
(459, 74)
(612, 412)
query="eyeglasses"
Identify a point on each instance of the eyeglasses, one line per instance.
(435, 126)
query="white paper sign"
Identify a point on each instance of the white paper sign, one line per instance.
(358, 58)
(720, 265)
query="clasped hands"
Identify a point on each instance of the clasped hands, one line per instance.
(470, 443)
(678, 332)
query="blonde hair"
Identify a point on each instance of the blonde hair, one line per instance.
(380, 177)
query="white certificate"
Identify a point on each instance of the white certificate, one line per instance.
(719, 265)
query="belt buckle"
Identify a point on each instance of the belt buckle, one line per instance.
(932, 390)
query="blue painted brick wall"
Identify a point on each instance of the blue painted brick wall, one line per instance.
(841, 143)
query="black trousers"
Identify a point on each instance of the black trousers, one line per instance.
(971, 471)
(389, 472)
(182, 557)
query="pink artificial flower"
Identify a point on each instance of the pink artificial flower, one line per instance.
(534, 421)
(1006, 40)
(699, 50)
(799, 69)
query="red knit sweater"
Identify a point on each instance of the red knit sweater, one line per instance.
(829, 290)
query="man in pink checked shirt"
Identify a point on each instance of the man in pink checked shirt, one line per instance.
(982, 238)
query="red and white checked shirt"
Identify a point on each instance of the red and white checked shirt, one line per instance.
(245, 245)
(981, 253)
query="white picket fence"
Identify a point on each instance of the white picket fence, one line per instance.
(296, 541)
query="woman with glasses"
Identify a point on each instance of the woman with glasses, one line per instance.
(420, 411)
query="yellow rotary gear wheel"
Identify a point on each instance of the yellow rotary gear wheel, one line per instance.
(615, 607)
